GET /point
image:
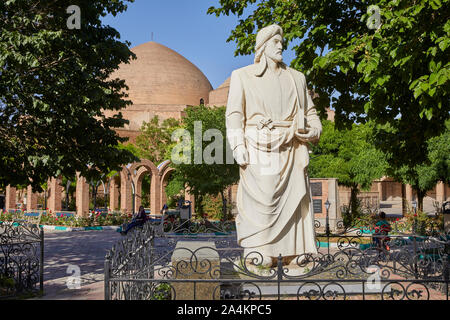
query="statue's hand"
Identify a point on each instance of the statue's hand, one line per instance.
(241, 155)
(312, 134)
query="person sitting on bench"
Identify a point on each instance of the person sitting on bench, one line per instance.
(139, 220)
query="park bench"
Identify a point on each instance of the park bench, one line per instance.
(32, 217)
(65, 214)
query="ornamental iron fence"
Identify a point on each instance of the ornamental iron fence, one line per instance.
(153, 263)
(21, 259)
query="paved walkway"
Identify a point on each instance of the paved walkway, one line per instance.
(83, 249)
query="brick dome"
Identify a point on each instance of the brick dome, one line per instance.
(161, 76)
(219, 97)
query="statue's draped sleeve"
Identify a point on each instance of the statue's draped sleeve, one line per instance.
(312, 118)
(235, 114)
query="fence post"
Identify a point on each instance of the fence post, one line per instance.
(279, 274)
(446, 270)
(152, 248)
(416, 271)
(41, 266)
(107, 275)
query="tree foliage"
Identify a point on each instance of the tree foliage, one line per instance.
(200, 177)
(154, 141)
(54, 84)
(349, 156)
(424, 176)
(397, 72)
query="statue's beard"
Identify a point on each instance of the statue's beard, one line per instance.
(278, 58)
(262, 64)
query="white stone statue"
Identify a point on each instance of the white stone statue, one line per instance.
(270, 118)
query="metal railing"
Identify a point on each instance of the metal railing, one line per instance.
(21, 259)
(143, 266)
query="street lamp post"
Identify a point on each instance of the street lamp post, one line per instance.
(414, 205)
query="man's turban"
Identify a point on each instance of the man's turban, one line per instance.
(264, 35)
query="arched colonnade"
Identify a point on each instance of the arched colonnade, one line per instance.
(127, 183)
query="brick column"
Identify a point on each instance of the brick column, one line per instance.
(155, 193)
(10, 199)
(409, 193)
(334, 213)
(82, 196)
(54, 198)
(138, 195)
(32, 199)
(440, 192)
(126, 196)
(380, 190)
(113, 195)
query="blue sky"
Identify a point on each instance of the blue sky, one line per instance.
(184, 26)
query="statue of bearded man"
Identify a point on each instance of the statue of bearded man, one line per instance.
(270, 120)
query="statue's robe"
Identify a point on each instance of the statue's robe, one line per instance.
(274, 204)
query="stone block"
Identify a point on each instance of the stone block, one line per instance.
(193, 260)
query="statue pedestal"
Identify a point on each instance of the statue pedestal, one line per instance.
(194, 260)
(290, 270)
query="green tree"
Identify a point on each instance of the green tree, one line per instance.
(348, 156)
(174, 189)
(154, 141)
(55, 83)
(392, 71)
(424, 176)
(201, 177)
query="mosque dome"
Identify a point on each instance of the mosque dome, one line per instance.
(219, 97)
(161, 76)
(225, 84)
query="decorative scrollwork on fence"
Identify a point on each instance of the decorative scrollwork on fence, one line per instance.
(20, 259)
(188, 227)
(145, 264)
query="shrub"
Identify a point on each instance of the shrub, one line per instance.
(361, 217)
(6, 283)
(424, 224)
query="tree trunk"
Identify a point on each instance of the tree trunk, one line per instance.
(45, 199)
(420, 196)
(404, 201)
(199, 205)
(224, 207)
(354, 200)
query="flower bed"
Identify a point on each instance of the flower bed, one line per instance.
(63, 219)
